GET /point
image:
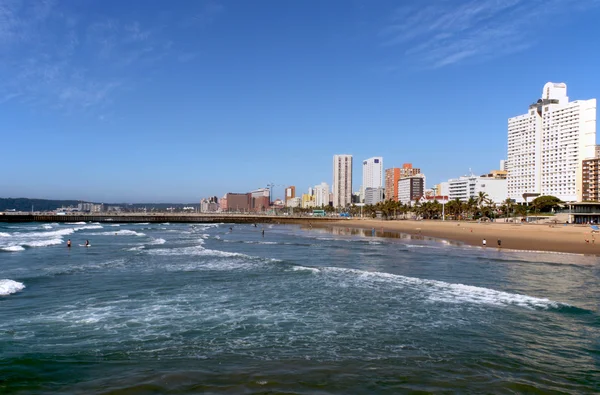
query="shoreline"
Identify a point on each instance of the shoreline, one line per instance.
(513, 236)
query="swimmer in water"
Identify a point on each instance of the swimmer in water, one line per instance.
(69, 243)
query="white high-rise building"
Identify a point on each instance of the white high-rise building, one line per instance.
(373, 173)
(467, 187)
(321, 194)
(342, 180)
(546, 146)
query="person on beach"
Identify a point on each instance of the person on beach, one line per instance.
(69, 243)
(484, 242)
(499, 243)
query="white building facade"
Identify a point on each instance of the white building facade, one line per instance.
(411, 189)
(342, 180)
(374, 195)
(372, 173)
(466, 187)
(547, 145)
(321, 193)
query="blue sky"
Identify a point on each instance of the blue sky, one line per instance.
(141, 100)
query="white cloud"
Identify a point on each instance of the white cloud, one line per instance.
(446, 32)
(54, 58)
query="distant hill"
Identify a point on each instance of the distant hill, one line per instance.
(24, 204)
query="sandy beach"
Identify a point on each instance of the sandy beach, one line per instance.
(533, 237)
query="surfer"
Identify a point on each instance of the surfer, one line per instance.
(87, 243)
(69, 243)
(263, 233)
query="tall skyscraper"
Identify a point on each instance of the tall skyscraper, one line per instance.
(342, 180)
(373, 172)
(322, 194)
(547, 145)
(392, 176)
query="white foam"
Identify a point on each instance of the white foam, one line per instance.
(304, 268)
(74, 223)
(90, 227)
(440, 291)
(8, 287)
(43, 243)
(47, 226)
(158, 241)
(138, 248)
(115, 225)
(197, 251)
(143, 223)
(124, 232)
(2, 234)
(12, 248)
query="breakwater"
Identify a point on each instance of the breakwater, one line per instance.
(161, 218)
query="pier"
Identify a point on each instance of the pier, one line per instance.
(162, 218)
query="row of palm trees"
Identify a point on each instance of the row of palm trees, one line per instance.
(478, 207)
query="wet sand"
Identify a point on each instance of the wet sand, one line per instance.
(531, 237)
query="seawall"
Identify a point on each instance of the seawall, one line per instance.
(161, 218)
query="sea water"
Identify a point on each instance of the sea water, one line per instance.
(191, 308)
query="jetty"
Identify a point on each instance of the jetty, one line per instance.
(162, 218)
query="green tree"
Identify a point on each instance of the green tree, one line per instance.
(545, 204)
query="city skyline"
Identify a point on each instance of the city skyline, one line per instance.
(150, 101)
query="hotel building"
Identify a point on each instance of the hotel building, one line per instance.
(372, 172)
(411, 189)
(342, 180)
(321, 194)
(466, 187)
(547, 145)
(591, 180)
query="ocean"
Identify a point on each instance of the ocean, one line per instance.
(193, 308)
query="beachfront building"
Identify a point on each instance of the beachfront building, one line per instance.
(466, 187)
(590, 184)
(208, 206)
(373, 195)
(235, 202)
(372, 173)
(294, 202)
(321, 194)
(392, 176)
(411, 189)
(547, 145)
(260, 199)
(290, 193)
(308, 200)
(342, 180)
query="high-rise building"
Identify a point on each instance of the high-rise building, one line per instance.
(466, 187)
(373, 195)
(290, 193)
(547, 145)
(322, 194)
(392, 176)
(342, 180)
(408, 171)
(411, 189)
(591, 180)
(373, 173)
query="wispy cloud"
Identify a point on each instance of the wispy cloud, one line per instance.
(206, 14)
(445, 32)
(52, 57)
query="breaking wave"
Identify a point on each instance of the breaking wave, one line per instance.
(8, 287)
